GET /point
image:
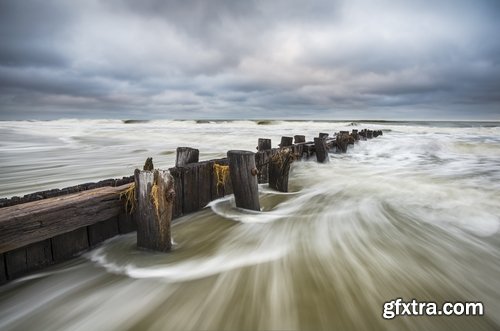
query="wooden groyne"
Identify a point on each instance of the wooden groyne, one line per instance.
(49, 227)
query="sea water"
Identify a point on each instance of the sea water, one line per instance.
(412, 214)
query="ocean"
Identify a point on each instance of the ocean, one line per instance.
(412, 214)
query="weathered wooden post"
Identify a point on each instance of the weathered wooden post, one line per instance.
(369, 134)
(279, 167)
(263, 144)
(186, 155)
(355, 134)
(243, 175)
(342, 141)
(323, 135)
(155, 196)
(321, 150)
(286, 141)
(299, 139)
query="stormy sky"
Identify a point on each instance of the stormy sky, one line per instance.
(326, 59)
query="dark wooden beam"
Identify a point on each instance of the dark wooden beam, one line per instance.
(31, 222)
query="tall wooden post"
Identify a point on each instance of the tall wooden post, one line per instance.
(186, 155)
(263, 144)
(286, 141)
(243, 175)
(321, 150)
(155, 196)
(279, 168)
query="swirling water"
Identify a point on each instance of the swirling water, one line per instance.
(414, 213)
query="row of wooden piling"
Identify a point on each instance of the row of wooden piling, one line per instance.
(246, 170)
(37, 234)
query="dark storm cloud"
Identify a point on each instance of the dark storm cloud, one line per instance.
(244, 59)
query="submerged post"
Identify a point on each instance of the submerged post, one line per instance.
(321, 150)
(186, 155)
(263, 144)
(155, 196)
(243, 175)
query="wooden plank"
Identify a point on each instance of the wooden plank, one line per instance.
(197, 184)
(15, 263)
(176, 173)
(21, 225)
(262, 164)
(68, 245)
(101, 231)
(32, 257)
(3, 271)
(126, 223)
(205, 182)
(39, 255)
(190, 194)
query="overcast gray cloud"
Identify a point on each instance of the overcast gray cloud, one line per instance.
(250, 59)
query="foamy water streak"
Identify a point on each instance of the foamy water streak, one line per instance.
(411, 214)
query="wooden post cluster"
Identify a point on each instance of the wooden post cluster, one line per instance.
(43, 232)
(196, 184)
